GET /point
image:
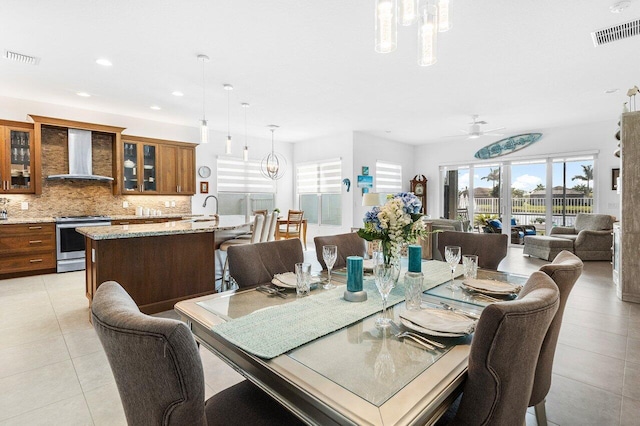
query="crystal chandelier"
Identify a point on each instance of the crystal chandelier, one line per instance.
(432, 17)
(274, 164)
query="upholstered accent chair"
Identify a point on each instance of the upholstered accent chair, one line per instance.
(565, 270)
(490, 248)
(591, 235)
(348, 245)
(503, 356)
(158, 371)
(251, 265)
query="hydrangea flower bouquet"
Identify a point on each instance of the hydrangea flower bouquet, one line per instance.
(396, 223)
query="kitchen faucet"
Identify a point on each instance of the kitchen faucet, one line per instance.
(215, 198)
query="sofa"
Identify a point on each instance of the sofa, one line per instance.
(590, 239)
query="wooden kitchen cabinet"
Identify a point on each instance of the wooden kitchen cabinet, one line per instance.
(154, 166)
(27, 248)
(177, 169)
(18, 155)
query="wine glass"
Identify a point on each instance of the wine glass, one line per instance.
(383, 275)
(452, 256)
(329, 254)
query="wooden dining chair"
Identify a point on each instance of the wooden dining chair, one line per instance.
(293, 227)
(503, 356)
(159, 374)
(565, 270)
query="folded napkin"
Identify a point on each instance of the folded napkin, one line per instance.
(440, 320)
(368, 264)
(288, 279)
(491, 286)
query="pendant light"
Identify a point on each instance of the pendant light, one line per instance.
(228, 88)
(273, 165)
(204, 129)
(444, 15)
(386, 26)
(427, 34)
(245, 151)
(408, 12)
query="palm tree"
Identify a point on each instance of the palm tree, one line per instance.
(587, 175)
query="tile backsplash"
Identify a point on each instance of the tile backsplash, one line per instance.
(75, 198)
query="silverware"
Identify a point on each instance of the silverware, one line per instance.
(407, 335)
(467, 314)
(271, 291)
(429, 341)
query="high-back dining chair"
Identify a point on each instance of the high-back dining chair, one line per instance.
(159, 375)
(255, 264)
(293, 227)
(503, 356)
(255, 237)
(348, 245)
(565, 270)
(490, 248)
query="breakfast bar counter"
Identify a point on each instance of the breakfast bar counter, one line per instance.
(158, 264)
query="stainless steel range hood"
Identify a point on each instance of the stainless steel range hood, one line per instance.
(80, 167)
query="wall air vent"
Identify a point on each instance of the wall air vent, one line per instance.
(19, 57)
(616, 32)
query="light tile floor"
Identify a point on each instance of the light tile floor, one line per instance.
(53, 370)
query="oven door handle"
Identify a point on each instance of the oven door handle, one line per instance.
(83, 224)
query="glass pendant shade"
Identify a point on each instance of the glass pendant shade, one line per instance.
(386, 25)
(227, 149)
(427, 34)
(444, 15)
(408, 12)
(204, 132)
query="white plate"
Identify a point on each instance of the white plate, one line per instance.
(440, 321)
(414, 327)
(367, 265)
(491, 286)
(288, 280)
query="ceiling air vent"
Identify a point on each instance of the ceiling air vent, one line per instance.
(19, 57)
(615, 33)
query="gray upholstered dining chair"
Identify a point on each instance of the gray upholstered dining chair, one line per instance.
(503, 356)
(158, 371)
(251, 265)
(349, 244)
(565, 270)
(490, 248)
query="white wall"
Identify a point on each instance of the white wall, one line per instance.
(327, 148)
(367, 150)
(592, 137)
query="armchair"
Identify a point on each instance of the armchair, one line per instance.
(591, 235)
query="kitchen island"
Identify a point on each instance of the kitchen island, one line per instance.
(158, 264)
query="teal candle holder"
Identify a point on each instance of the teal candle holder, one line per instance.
(354, 292)
(415, 258)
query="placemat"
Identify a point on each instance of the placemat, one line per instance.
(273, 331)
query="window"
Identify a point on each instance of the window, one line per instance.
(242, 188)
(388, 177)
(319, 191)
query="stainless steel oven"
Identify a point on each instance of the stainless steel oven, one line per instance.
(70, 245)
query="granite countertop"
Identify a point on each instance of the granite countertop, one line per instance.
(18, 221)
(189, 226)
(162, 216)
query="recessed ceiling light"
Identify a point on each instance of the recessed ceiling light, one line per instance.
(104, 62)
(155, 107)
(619, 6)
(177, 93)
(83, 94)
(611, 91)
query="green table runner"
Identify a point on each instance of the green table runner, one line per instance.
(273, 331)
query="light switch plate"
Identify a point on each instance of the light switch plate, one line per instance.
(125, 204)
(24, 205)
(173, 204)
(167, 204)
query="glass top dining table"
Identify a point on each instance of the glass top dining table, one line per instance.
(358, 374)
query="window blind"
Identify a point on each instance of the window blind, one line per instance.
(236, 175)
(388, 177)
(319, 178)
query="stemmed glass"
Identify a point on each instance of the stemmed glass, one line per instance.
(452, 256)
(383, 275)
(329, 254)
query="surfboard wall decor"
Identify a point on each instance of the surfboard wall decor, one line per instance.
(507, 145)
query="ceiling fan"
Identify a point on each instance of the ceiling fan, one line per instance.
(474, 131)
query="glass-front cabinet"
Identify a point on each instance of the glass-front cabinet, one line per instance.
(16, 160)
(139, 168)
